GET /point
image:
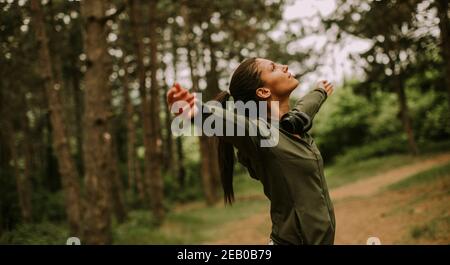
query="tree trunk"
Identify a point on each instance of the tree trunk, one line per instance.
(66, 165)
(150, 113)
(168, 160)
(181, 171)
(19, 152)
(23, 187)
(52, 175)
(26, 182)
(135, 19)
(97, 145)
(5, 158)
(117, 189)
(212, 81)
(156, 184)
(181, 175)
(444, 26)
(405, 117)
(5, 154)
(206, 152)
(210, 187)
(23, 150)
(132, 163)
(78, 109)
(212, 77)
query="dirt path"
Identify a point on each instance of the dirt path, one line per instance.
(361, 211)
(370, 186)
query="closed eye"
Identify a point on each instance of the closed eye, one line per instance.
(273, 66)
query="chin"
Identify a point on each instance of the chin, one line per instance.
(294, 85)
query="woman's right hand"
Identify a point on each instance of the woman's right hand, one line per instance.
(187, 100)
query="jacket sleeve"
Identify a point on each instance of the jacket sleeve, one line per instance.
(242, 132)
(311, 102)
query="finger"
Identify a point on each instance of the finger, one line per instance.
(171, 93)
(190, 101)
(183, 99)
(330, 91)
(189, 97)
(188, 109)
(180, 94)
(187, 100)
(177, 86)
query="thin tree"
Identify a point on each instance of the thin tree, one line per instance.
(66, 165)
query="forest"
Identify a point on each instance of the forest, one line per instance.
(86, 148)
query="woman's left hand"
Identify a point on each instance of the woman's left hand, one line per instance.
(327, 86)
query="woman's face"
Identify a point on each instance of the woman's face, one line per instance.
(277, 78)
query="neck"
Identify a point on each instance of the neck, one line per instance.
(283, 107)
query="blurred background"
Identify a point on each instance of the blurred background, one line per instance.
(85, 143)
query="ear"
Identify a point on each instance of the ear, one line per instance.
(263, 93)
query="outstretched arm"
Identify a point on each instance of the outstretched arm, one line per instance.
(190, 107)
(311, 102)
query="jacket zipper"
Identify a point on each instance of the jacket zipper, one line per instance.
(320, 178)
(321, 182)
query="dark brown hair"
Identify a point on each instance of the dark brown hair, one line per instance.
(245, 81)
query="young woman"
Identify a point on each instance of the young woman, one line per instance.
(291, 171)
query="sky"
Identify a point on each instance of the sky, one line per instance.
(337, 64)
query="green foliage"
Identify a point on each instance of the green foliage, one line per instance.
(342, 122)
(40, 233)
(192, 189)
(9, 202)
(48, 206)
(431, 115)
(384, 120)
(394, 144)
(350, 127)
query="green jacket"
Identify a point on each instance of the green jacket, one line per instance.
(293, 179)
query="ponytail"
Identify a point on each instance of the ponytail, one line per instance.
(245, 81)
(226, 157)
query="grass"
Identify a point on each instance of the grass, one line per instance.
(196, 225)
(442, 171)
(43, 233)
(429, 191)
(433, 229)
(185, 227)
(245, 185)
(340, 174)
(202, 224)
